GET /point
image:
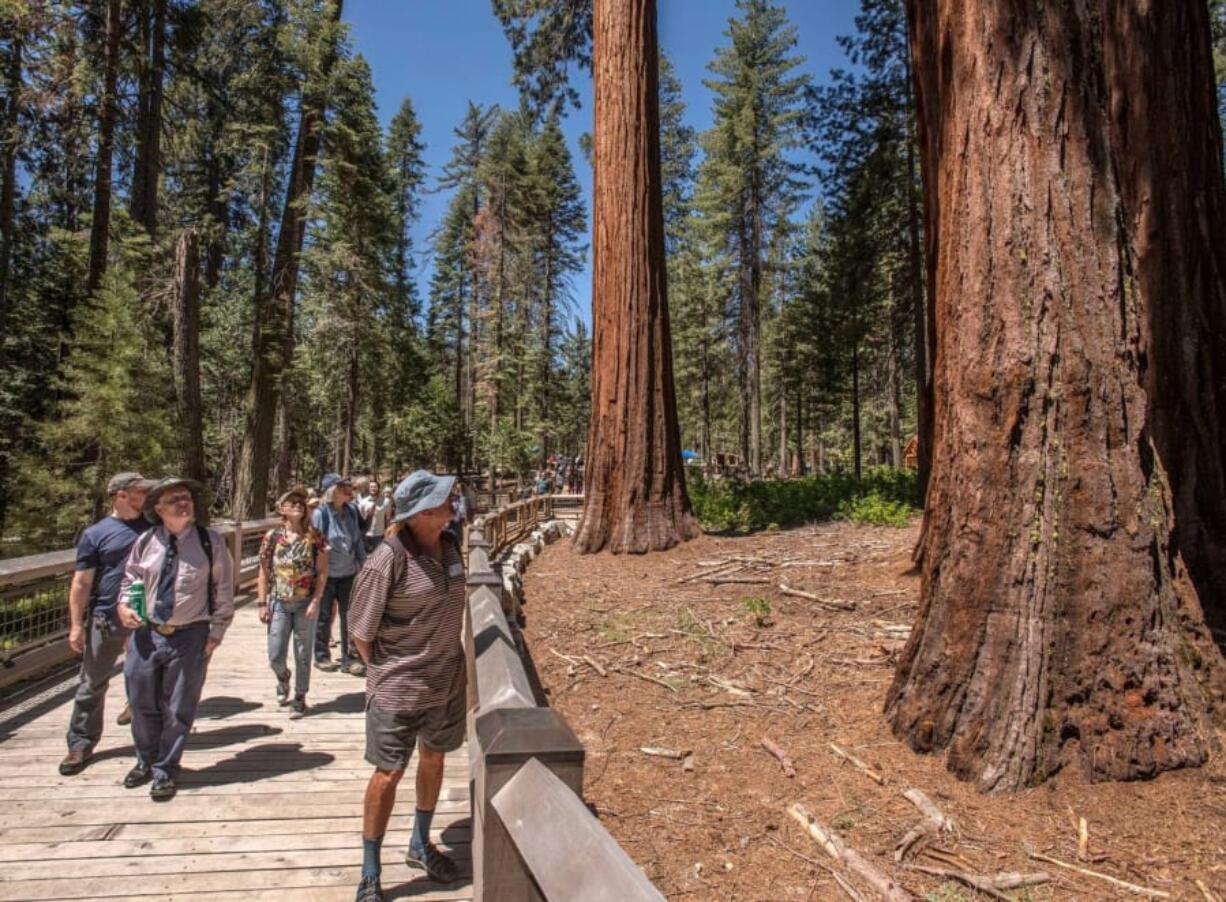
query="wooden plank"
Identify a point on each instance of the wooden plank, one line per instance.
(349, 825)
(568, 852)
(219, 883)
(150, 863)
(455, 828)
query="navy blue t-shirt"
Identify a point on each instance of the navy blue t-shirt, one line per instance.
(104, 549)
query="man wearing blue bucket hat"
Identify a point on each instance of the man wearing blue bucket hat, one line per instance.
(405, 620)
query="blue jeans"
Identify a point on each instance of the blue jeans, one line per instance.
(164, 676)
(336, 590)
(289, 618)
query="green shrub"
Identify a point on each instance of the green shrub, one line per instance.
(732, 505)
(874, 510)
(758, 608)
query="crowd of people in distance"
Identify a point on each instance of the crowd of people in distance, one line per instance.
(561, 474)
(154, 583)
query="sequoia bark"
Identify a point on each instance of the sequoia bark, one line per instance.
(1076, 223)
(186, 323)
(635, 485)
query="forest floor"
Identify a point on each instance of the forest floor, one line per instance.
(701, 668)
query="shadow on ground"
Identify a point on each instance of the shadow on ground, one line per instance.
(349, 703)
(260, 762)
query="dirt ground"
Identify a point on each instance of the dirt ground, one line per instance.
(703, 668)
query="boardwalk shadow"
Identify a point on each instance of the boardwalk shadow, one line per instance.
(222, 736)
(259, 763)
(458, 833)
(423, 886)
(349, 703)
(219, 707)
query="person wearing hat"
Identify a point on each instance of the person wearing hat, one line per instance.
(189, 603)
(405, 621)
(293, 572)
(338, 520)
(94, 630)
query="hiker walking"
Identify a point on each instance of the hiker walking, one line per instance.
(188, 591)
(94, 630)
(293, 573)
(338, 520)
(408, 608)
(374, 507)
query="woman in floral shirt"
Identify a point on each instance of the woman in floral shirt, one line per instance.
(293, 572)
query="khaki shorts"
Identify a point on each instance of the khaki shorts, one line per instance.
(392, 735)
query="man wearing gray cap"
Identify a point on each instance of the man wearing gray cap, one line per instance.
(405, 620)
(187, 571)
(94, 630)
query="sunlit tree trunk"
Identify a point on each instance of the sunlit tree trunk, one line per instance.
(186, 322)
(100, 227)
(635, 483)
(1076, 518)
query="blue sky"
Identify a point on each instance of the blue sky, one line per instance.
(443, 53)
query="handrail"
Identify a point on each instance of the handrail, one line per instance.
(511, 739)
(46, 627)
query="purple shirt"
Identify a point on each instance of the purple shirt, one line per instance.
(191, 581)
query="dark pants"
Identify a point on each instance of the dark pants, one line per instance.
(104, 642)
(337, 590)
(165, 676)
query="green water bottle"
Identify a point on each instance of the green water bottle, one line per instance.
(136, 598)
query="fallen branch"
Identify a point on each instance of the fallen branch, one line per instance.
(858, 764)
(656, 752)
(1209, 895)
(834, 604)
(989, 886)
(1083, 839)
(701, 573)
(785, 762)
(595, 665)
(736, 580)
(647, 677)
(573, 662)
(1114, 881)
(849, 857)
(934, 823)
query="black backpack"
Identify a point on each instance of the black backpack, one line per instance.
(206, 542)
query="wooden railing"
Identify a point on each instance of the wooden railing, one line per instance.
(533, 838)
(34, 600)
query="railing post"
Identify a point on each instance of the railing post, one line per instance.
(507, 738)
(236, 554)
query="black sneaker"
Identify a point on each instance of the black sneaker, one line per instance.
(369, 890)
(137, 776)
(297, 707)
(438, 867)
(163, 789)
(283, 691)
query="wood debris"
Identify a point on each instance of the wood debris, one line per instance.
(785, 761)
(1114, 881)
(989, 886)
(858, 764)
(849, 857)
(658, 752)
(833, 604)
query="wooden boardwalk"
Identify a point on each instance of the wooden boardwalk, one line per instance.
(268, 808)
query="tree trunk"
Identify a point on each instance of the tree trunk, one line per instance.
(99, 234)
(855, 409)
(783, 433)
(148, 164)
(635, 483)
(921, 301)
(10, 137)
(187, 353)
(274, 330)
(895, 404)
(1079, 245)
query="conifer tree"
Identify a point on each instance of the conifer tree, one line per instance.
(752, 182)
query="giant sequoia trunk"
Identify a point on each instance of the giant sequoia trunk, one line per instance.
(635, 484)
(274, 339)
(1076, 518)
(100, 228)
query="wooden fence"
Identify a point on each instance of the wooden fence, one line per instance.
(533, 837)
(34, 600)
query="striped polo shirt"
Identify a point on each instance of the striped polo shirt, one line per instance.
(413, 625)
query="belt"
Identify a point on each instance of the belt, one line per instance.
(166, 629)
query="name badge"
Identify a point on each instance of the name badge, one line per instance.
(456, 570)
